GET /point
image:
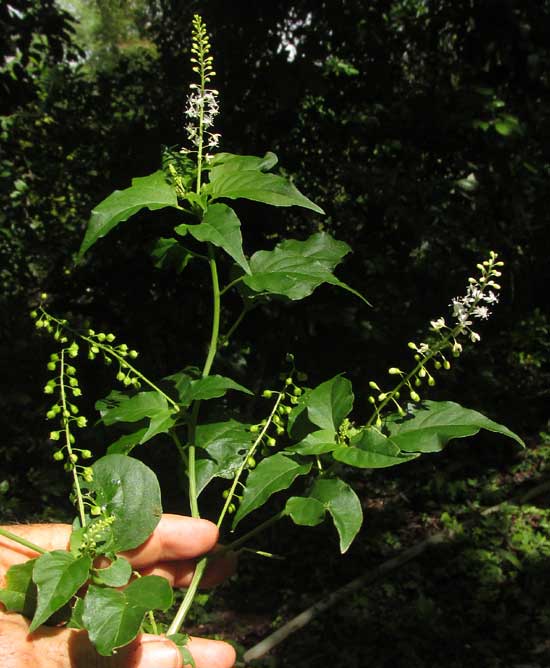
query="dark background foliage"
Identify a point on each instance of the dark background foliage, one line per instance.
(420, 127)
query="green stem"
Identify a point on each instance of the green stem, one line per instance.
(66, 413)
(234, 326)
(250, 453)
(181, 614)
(253, 532)
(216, 307)
(21, 541)
(232, 283)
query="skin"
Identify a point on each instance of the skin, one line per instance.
(170, 552)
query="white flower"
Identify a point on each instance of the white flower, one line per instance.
(437, 324)
(423, 348)
(481, 312)
(474, 337)
(491, 298)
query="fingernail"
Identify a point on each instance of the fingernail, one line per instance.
(159, 655)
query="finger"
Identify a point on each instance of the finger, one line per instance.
(212, 653)
(47, 536)
(175, 538)
(180, 573)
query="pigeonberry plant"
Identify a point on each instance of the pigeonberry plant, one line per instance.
(298, 451)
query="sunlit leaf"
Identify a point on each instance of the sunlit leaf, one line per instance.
(295, 268)
(272, 474)
(342, 504)
(148, 192)
(113, 618)
(434, 423)
(58, 575)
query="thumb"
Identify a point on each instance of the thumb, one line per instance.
(153, 652)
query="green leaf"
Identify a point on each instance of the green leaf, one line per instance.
(151, 192)
(272, 474)
(20, 592)
(257, 186)
(75, 621)
(226, 444)
(317, 443)
(170, 254)
(58, 575)
(294, 269)
(221, 227)
(370, 449)
(342, 503)
(132, 409)
(128, 491)
(434, 423)
(210, 387)
(125, 444)
(225, 163)
(117, 574)
(305, 511)
(152, 405)
(181, 640)
(113, 618)
(329, 403)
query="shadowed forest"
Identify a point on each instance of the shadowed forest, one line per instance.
(422, 128)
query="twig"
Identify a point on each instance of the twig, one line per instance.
(298, 622)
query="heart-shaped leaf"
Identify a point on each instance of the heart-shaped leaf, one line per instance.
(58, 575)
(129, 491)
(272, 474)
(113, 618)
(342, 503)
(151, 192)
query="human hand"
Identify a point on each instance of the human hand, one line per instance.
(170, 552)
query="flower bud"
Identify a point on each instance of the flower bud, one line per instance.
(267, 394)
(373, 385)
(86, 454)
(251, 462)
(446, 365)
(271, 442)
(414, 396)
(110, 338)
(254, 429)
(54, 436)
(58, 455)
(394, 371)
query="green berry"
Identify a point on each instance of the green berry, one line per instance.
(86, 454)
(58, 455)
(267, 394)
(251, 462)
(51, 366)
(54, 436)
(254, 429)
(297, 392)
(231, 509)
(95, 510)
(110, 338)
(280, 431)
(225, 493)
(288, 381)
(271, 442)
(133, 354)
